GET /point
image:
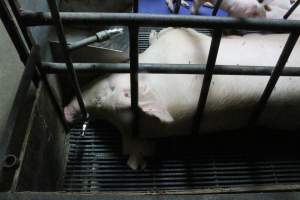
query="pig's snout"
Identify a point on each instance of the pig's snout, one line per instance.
(70, 113)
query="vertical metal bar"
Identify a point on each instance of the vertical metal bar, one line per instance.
(286, 52)
(216, 8)
(134, 62)
(135, 6)
(211, 61)
(15, 7)
(177, 6)
(30, 42)
(51, 93)
(291, 10)
(60, 33)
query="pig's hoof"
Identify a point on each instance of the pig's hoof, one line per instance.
(136, 162)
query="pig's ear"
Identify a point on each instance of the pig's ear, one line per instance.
(150, 104)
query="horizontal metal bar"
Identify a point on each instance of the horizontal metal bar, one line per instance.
(100, 68)
(127, 19)
(291, 10)
(276, 73)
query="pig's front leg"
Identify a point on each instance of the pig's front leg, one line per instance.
(196, 6)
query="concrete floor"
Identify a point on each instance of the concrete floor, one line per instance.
(11, 69)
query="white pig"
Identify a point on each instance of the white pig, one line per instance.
(168, 102)
(278, 8)
(235, 8)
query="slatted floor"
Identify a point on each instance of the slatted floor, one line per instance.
(95, 162)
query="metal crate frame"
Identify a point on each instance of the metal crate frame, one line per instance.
(29, 53)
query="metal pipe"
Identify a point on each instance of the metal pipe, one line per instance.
(212, 57)
(177, 6)
(15, 7)
(13, 32)
(216, 8)
(100, 68)
(18, 105)
(291, 10)
(73, 77)
(135, 6)
(286, 52)
(15, 36)
(151, 20)
(134, 63)
(99, 37)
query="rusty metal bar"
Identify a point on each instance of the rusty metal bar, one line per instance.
(212, 57)
(286, 52)
(73, 77)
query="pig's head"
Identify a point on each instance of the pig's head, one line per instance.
(110, 99)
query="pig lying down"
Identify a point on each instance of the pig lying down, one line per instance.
(167, 102)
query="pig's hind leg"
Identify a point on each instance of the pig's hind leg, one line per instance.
(196, 6)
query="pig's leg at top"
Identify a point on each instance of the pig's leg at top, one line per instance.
(196, 6)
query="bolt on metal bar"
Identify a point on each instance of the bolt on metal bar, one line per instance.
(100, 68)
(216, 8)
(61, 36)
(151, 20)
(99, 37)
(134, 62)
(291, 10)
(18, 104)
(286, 52)
(212, 56)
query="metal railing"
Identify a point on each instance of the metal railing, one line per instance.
(133, 21)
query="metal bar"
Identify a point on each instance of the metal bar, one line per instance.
(18, 104)
(135, 6)
(286, 52)
(291, 10)
(151, 20)
(15, 36)
(15, 7)
(177, 6)
(134, 62)
(66, 55)
(82, 43)
(212, 56)
(51, 94)
(216, 8)
(100, 68)
(13, 32)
